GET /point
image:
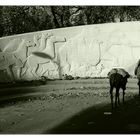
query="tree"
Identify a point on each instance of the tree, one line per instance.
(22, 19)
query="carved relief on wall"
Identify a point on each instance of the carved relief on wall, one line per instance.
(25, 58)
(14, 59)
(45, 53)
(88, 51)
(81, 54)
(28, 58)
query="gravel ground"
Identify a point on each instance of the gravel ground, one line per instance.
(68, 107)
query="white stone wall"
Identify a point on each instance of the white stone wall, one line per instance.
(90, 50)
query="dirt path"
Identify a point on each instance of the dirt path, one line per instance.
(77, 106)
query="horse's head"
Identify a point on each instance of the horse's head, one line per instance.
(37, 37)
(47, 35)
(30, 44)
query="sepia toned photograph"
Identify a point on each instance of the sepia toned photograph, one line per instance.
(69, 69)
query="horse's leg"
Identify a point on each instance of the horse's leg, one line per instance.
(19, 71)
(10, 73)
(116, 96)
(43, 74)
(111, 96)
(30, 71)
(139, 85)
(34, 71)
(123, 95)
(139, 89)
(115, 99)
(24, 71)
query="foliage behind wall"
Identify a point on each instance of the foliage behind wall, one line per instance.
(23, 19)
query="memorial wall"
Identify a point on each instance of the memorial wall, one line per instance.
(84, 51)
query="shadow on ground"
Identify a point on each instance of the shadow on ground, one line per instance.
(102, 120)
(12, 93)
(12, 96)
(22, 84)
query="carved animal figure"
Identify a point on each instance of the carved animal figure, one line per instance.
(34, 61)
(6, 65)
(40, 41)
(16, 59)
(118, 79)
(137, 73)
